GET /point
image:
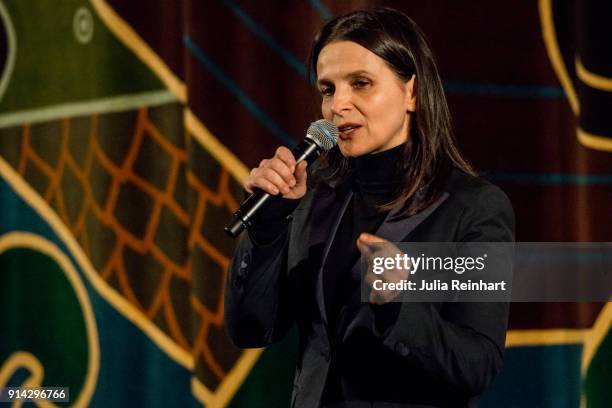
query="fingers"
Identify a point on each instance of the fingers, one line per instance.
(257, 180)
(300, 173)
(276, 175)
(285, 155)
(370, 246)
(376, 298)
(280, 172)
(379, 297)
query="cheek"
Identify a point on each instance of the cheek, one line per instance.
(378, 106)
(325, 110)
(389, 112)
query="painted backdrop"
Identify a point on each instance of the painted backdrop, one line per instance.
(126, 129)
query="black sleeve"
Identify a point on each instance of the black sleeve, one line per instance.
(258, 306)
(271, 220)
(461, 344)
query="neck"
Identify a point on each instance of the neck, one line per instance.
(381, 173)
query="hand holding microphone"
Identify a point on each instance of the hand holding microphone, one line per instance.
(285, 173)
(280, 174)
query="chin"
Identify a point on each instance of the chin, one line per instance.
(350, 150)
(349, 153)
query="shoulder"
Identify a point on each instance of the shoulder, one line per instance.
(480, 203)
(472, 191)
(467, 189)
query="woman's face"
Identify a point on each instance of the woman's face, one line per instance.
(368, 102)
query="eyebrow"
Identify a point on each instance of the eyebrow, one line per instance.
(325, 81)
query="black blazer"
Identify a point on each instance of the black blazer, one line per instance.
(395, 355)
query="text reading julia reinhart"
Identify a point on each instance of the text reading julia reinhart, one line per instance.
(413, 264)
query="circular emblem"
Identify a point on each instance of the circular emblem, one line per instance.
(83, 25)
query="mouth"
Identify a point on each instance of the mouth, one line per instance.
(346, 130)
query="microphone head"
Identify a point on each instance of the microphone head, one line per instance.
(324, 133)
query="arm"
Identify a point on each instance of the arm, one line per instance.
(258, 306)
(461, 344)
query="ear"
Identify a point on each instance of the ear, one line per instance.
(410, 89)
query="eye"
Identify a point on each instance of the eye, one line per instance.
(326, 90)
(361, 83)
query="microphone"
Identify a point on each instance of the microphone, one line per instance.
(321, 135)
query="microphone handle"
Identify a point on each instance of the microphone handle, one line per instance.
(306, 150)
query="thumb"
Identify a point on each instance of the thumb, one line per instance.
(364, 248)
(366, 243)
(369, 238)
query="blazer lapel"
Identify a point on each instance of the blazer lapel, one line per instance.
(392, 231)
(327, 214)
(396, 231)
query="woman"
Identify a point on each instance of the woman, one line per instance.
(395, 176)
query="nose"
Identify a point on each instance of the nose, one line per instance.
(341, 101)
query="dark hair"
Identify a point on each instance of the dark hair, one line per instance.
(431, 152)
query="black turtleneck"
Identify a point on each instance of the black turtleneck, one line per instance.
(378, 176)
(377, 180)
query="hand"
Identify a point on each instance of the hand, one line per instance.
(364, 244)
(279, 175)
